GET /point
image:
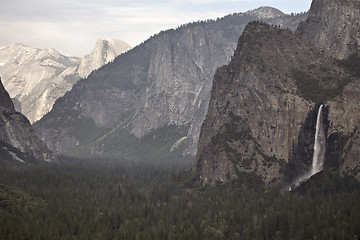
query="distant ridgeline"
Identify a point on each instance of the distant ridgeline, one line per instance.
(149, 104)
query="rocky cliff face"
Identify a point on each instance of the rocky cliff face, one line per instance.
(263, 109)
(160, 88)
(5, 100)
(344, 125)
(259, 104)
(333, 26)
(37, 77)
(18, 140)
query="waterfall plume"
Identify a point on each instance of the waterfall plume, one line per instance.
(319, 145)
(319, 152)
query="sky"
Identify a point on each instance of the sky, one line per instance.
(73, 26)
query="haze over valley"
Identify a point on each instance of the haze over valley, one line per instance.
(244, 126)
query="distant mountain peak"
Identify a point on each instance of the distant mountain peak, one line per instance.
(111, 41)
(31, 74)
(37, 77)
(267, 12)
(105, 51)
(17, 45)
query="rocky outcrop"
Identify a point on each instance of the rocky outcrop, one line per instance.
(260, 104)
(343, 132)
(333, 26)
(5, 100)
(37, 77)
(162, 83)
(17, 104)
(267, 12)
(17, 137)
(105, 51)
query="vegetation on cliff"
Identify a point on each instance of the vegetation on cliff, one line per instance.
(273, 82)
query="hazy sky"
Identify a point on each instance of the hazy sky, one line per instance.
(72, 26)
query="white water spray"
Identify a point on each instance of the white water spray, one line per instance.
(319, 152)
(319, 146)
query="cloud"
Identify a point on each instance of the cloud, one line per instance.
(72, 26)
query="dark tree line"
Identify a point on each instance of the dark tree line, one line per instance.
(90, 200)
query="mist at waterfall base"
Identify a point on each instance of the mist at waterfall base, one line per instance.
(319, 152)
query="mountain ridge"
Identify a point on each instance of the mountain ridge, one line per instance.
(162, 82)
(37, 77)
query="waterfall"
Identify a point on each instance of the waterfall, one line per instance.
(319, 152)
(319, 146)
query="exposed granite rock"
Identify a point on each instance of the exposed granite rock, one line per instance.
(344, 126)
(105, 51)
(17, 133)
(37, 77)
(239, 144)
(259, 105)
(267, 12)
(17, 104)
(333, 26)
(166, 81)
(5, 100)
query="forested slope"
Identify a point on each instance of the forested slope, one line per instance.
(100, 200)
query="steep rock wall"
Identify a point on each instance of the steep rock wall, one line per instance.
(17, 133)
(333, 26)
(259, 105)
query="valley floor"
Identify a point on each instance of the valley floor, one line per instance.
(87, 199)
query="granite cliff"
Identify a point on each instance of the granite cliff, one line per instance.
(344, 124)
(263, 109)
(260, 102)
(151, 101)
(18, 140)
(35, 78)
(105, 51)
(333, 26)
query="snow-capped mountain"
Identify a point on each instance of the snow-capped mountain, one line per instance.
(104, 52)
(37, 77)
